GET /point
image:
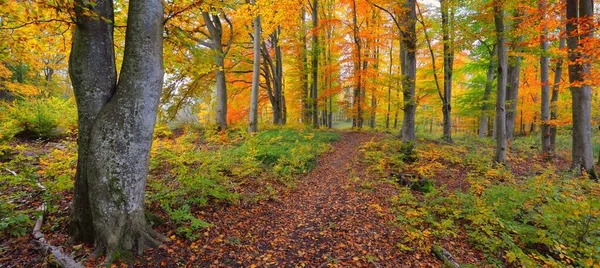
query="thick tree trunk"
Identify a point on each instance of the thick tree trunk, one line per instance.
(500, 155)
(489, 82)
(116, 161)
(580, 92)
(94, 76)
(544, 62)
(555, 93)
(253, 126)
(409, 71)
(447, 19)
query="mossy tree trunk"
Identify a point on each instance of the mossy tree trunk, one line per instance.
(117, 120)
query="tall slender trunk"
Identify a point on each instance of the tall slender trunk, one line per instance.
(253, 126)
(409, 71)
(555, 92)
(500, 155)
(357, 69)
(315, 64)
(544, 62)
(447, 20)
(306, 94)
(389, 98)
(512, 87)
(579, 69)
(373, 92)
(483, 121)
(213, 24)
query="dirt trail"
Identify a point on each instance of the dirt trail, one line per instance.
(326, 219)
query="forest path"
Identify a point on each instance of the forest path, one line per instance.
(328, 218)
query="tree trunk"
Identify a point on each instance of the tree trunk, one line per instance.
(409, 72)
(93, 75)
(489, 82)
(253, 126)
(500, 155)
(544, 62)
(579, 69)
(306, 94)
(357, 70)
(512, 88)
(555, 92)
(213, 24)
(120, 137)
(278, 80)
(389, 98)
(315, 64)
(447, 19)
(373, 92)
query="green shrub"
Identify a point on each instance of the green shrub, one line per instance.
(39, 118)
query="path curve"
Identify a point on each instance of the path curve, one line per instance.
(325, 220)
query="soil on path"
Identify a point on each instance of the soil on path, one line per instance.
(327, 219)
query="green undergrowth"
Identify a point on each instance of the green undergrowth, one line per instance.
(196, 168)
(188, 170)
(545, 217)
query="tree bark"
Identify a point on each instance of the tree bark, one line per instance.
(555, 92)
(357, 122)
(489, 82)
(389, 98)
(253, 126)
(447, 19)
(120, 136)
(315, 65)
(409, 72)
(305, 98)
(512, 87)
(213, 24)
(579, 68)
(93, 75)
(500, 155)
(544, 65)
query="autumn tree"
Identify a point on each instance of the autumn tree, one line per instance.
(500, 155)
(544, 76)
(116, 121)
(212, 20)
(580, 27)
(253, 126)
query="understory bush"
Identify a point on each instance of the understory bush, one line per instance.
(44, 118)
(545, 218)
(191, 170)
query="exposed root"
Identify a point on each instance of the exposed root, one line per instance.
(445, 256)
(60, 257)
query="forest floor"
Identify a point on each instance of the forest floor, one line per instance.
(327, 219)
(346, 209)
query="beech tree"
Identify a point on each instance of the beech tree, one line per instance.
(544, 65)
(253, 126)
(580, 30)
(500, 155)
(116, 122)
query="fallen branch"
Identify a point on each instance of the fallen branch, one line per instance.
(445, 256)
(60, 257)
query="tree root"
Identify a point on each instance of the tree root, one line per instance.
(445, 256)
(62, 259)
